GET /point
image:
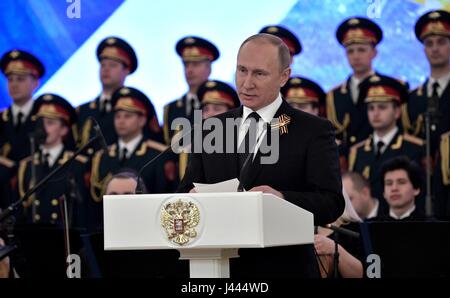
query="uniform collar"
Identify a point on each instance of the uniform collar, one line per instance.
(53, 153)
(25, 109)
(443, 82)
(131, 145)
(405, 214)
(387, 139)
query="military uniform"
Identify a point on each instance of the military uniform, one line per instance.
(350, 118)
(44, 206)
(15, 139)
(119, 50)
(7, 185)
(289, 38)
(365, 157)
(190, 49)
(159, 177)
(431, 23)
(442, 180)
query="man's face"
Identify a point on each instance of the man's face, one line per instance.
(258, 74)
(121, 186)
(398, 189)
(382, 115)
(437, 50)
(128, 124)
(360, 56)
(360, 199)
(56, 131)
(112, 73)
(211, 110)
(306, 107)
(21, 87)
(196, 72)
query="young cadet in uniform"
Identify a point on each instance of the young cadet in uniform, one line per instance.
(216, 97)
(345, 108)
(197, 55)
(307, 96)
(23, 71)
(402, 181)
(433, 30)
(304, 95)
(132, 150)
(56, 116)
(117, 60)
(384, 97)
(289, 38)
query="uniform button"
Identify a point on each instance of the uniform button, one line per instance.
(54, 216)
(37, 202)
(352, 139)
(54, 202)
(90, 151)
(37, 217)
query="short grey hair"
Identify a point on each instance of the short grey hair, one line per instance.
(284, 56)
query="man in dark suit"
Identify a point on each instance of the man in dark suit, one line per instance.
(433, 30)
(306, 173)
(23, 71)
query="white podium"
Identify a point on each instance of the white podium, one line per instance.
(206, 228)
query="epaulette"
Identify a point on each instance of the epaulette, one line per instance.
(413, 139)
(5, 115)
(353, 153)
(360, 144)
(156, 145)
(81, 158)
(7, 162)
(444, 135)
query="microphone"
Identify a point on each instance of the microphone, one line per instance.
(139, 188)
(343, 231)
(99, 135)
(40, 134)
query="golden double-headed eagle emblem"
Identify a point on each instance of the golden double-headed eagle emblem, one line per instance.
(179, 219)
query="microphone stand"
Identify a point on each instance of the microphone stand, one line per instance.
(431, 117)
(14, 206)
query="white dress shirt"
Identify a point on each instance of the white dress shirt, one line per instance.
(387, 139)
(266, 113)
(443, 81)
(53, 153)
(131, 145)
(404, 215)
(25, 109)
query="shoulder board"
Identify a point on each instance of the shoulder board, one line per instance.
(5, 115)
(445, 135)
(156, 145)
(81, 158)
(6, 162)
(25, 160)
(358, 145)
(337, 87)
(413, 139)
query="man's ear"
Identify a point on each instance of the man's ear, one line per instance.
(285, 75)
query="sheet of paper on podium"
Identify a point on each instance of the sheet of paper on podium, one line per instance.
(224, 186)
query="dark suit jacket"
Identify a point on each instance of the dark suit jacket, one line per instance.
(307, 173)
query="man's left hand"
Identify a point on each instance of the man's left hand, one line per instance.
(267, 189)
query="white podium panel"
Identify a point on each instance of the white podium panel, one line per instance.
(216, 225)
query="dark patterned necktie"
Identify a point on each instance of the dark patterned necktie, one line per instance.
(248, 145)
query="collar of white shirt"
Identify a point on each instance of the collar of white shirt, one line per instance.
(387, 139)
(25, 109)
(266, 113)
(53, 153)
(443, 81)
(374, 212)
(404, 215)
(131, 145)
